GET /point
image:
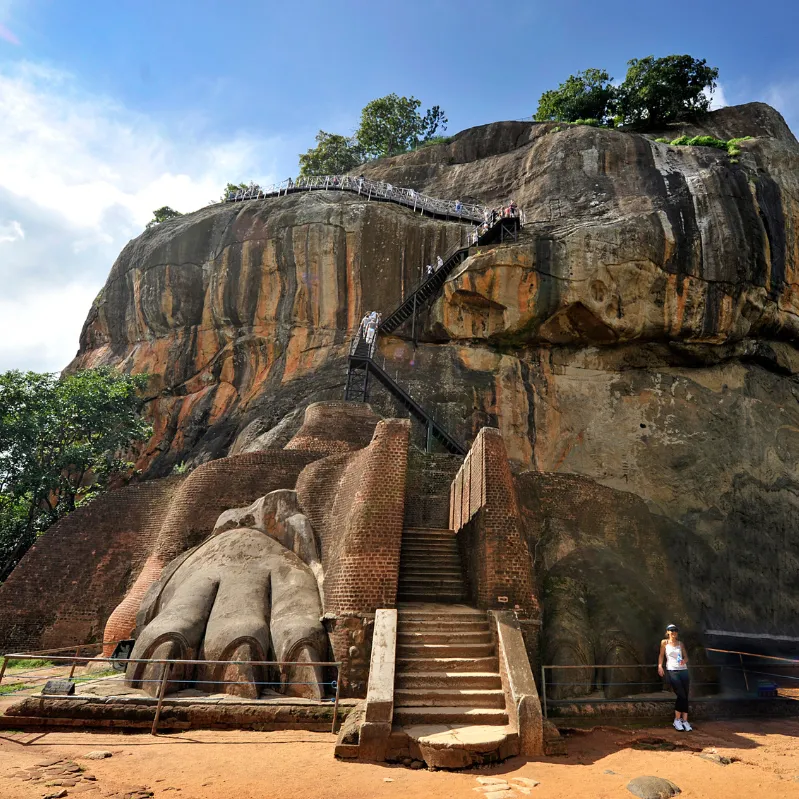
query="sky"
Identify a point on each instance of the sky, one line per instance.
(109, 110)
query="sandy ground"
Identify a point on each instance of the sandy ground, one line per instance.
(300, 765)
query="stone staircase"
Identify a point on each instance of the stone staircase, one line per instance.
(447, 670)
(430, 567)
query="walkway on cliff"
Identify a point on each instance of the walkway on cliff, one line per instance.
(450, 210)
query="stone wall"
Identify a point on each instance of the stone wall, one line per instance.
(190, 517)
(68, 583)
(485, 512)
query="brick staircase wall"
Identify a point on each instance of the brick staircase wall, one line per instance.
(427, 489)
(484, 510)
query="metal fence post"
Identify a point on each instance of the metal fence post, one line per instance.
(335, 704)
(746, 679)
(161, 692)
(544, 689)
(74, 663)
(3, 668)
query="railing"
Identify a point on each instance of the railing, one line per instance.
(741, 669)
(80, 658)
(371, 189)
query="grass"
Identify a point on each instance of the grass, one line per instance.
(30, 663)
(731, 146)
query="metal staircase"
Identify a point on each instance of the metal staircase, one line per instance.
(363, 368)
(505, 229)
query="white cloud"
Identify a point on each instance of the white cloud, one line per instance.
(785, 98)
(718, 99)
(11, 231)
(79, 176)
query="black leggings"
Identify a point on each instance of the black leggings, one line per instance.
(680, 683)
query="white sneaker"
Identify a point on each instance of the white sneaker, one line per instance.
(678, 725)
(686, 726)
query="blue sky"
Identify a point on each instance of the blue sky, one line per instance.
(119, 107)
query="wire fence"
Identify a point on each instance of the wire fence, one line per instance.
(736, 675)
(30, 678)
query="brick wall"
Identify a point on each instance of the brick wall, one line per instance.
(427, 488)
(68, 583)
(485, 511)
(189, 518)
(332, 427)
(355, 502)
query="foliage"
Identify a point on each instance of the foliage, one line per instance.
(61, 441)
(393, 124)
(162, 214)
(660, 90)
(333, 155)
(593, 123)
(181, 468)
(235, 187)
(586, 95)
(433, 140)
(730, 146)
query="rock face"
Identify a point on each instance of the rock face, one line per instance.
(639, 336)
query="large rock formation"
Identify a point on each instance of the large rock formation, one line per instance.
(639, 335)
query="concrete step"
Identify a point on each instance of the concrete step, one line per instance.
(422, 567)
(448, 679)
(446, 584)
(428, 531)
(447, 664)
(442, 613)
(449, 697)
(444, 650)
(447, 637)
(432, 596)
(408, 626)
(429, 550)
(449, 715)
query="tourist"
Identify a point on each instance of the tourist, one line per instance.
(673, 650)
(493, 217)
(439, 262)
(429, 269)
(371, 327)
(458, 206)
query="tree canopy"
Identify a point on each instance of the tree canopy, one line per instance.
(655, 91)
(658, 90)
(389, 125)
(333, 155)
(61, 440)
(393, 124)
(162, 214)
(586, 95)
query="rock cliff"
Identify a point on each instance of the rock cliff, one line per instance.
(641, 335)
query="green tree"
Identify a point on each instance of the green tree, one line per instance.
(586, 95)
(162, 214)
(234, 187)
(61, 440)
(333, 155)
(393, 124)
(660, 90)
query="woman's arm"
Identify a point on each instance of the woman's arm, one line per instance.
(684, 653)
(660, 656)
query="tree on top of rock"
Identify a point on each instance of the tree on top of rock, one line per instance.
(586, 95)
(162, 214)
(393, 124)
(658, 90)
(333, 155)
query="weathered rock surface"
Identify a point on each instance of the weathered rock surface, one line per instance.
(652, 788)
(641, 335)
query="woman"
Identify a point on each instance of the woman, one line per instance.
(673, 650)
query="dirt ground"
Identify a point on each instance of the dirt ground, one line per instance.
(300, 765)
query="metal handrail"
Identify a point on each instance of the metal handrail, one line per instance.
(168, 665)
(378, 189)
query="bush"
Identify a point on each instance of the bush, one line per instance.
(730, 146)
(591, 122)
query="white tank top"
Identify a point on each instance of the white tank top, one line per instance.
(674, 660)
